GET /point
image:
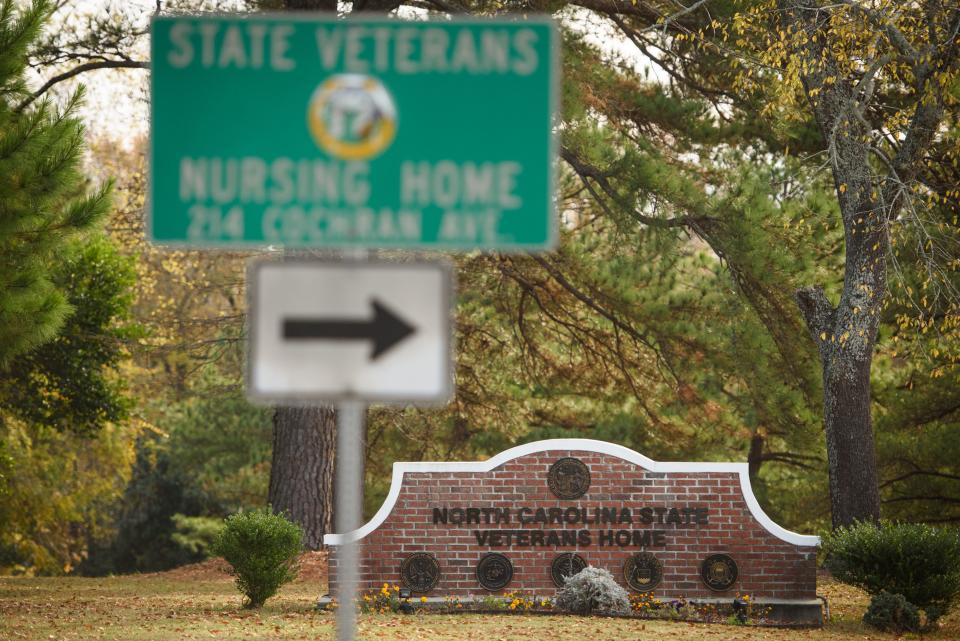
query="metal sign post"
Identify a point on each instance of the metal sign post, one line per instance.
(348, 488)
(351, 416)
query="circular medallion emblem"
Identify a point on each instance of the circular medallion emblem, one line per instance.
(568, 478)
(352, 116)
(643, 571)
(718, 571)
(565, 565)
(494, 571)
(420, 572)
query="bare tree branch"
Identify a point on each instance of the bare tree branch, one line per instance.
(589, 171)
(600, 309)
(89, 66)
(911, 474)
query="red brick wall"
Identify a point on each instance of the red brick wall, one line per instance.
(768, 565)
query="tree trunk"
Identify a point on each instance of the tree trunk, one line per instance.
(846, 336)
(755, 458)
(854, 493)
(302, 471)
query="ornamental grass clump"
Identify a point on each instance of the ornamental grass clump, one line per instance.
(592, 590)
(919, 562)
(262, 550)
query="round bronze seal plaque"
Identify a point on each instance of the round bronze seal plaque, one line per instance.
(568, 478)
(565, 565)
(643, 572)
(718, 571)
(420, 572)
(494, 571)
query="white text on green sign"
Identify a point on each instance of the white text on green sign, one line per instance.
(382, 133)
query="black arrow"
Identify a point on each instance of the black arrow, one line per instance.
(386, 329)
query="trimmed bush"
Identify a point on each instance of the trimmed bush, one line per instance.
(917, 561)
(592, 590)
(262, 549)
(892, 613)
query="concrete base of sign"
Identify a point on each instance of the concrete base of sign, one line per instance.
(778, 613)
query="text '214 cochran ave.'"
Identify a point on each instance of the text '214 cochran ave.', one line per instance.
(368, 133)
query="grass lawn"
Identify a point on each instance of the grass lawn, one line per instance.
(172, 606)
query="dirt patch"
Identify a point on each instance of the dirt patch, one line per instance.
(209, 570)
(313, 568)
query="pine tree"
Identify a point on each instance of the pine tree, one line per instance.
(858, 95)
(44, 201)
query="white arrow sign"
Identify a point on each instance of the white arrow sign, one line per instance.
(327, 330)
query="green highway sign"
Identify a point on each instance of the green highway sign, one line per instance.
(320, 132)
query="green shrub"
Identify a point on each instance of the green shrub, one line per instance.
(196, 534)
(262, 549)
(892, 613)
(592, 590)
(917, 561)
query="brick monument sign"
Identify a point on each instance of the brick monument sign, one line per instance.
(533, 514)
